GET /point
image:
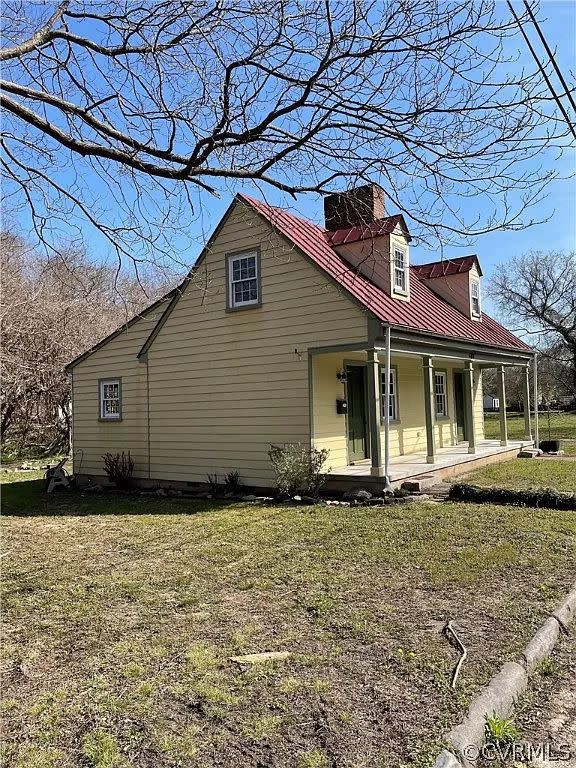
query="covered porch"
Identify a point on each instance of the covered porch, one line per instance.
(399, 407)
(449, 462)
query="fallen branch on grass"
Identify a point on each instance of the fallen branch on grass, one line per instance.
(450, 634)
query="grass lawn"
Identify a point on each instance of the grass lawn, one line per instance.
(118, 628)
(562, 426)
(526, 474)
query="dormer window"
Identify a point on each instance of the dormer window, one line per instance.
(475, 297)
(400, 271)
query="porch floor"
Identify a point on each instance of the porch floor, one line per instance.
(415, 464)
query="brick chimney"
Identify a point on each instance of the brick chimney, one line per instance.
(357, 207)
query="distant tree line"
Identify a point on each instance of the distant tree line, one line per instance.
(536, 297)
(53, 309)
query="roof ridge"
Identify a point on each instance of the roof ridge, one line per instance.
(445, 261)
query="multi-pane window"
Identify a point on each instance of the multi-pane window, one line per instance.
(475, 295)
(440, 393)
(392, 395)
(400, 270)
(110, 405)
(243, 280)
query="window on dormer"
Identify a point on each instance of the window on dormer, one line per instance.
(400, 271)
(475, 296)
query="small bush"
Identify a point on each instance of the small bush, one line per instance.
(298, 468)
(214, 483)
(119, 467)
(547, 498)
(232, 482)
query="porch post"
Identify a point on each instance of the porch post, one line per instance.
(469, 404)
(502, 409)
(430, 408)
(374, 411)
(526, 397)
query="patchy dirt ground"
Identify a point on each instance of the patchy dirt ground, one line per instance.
(118, 628)
(551, 720)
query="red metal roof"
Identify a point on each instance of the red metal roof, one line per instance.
(447, 267)
(425, 311)
(381, 227)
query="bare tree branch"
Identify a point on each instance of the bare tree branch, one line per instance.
(149, 106)
(538, 290)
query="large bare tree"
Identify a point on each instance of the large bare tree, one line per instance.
(51, 311)
(536, 293)
(122, 115)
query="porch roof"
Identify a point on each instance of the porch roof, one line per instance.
(426, 311)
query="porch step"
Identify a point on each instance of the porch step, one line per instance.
(420, 483)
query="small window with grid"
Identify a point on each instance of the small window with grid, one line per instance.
(440, 394)
(400, 271)
(392, 395)
(243, 288)
(110, 400)
(475, 295)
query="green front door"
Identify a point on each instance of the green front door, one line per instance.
(459, 406)
(357, 424)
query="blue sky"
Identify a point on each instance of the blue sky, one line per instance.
(558, 21)
(559, 207)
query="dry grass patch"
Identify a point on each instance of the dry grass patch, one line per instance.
(119, 628)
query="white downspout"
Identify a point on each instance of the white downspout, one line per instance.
(387, 410)
(536, 424)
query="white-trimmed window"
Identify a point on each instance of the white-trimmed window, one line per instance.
(475, 297)
(400, 271)
(440, 394)
(392, 394)
(110, 399)
(243, 280)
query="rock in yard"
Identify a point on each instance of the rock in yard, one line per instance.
(259, 658)
(161, 492)
(357, 494)
(529, 453)
(249, 497)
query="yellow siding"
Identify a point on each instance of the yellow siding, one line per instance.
(224, 385)
(91, 437)
(329, 428)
